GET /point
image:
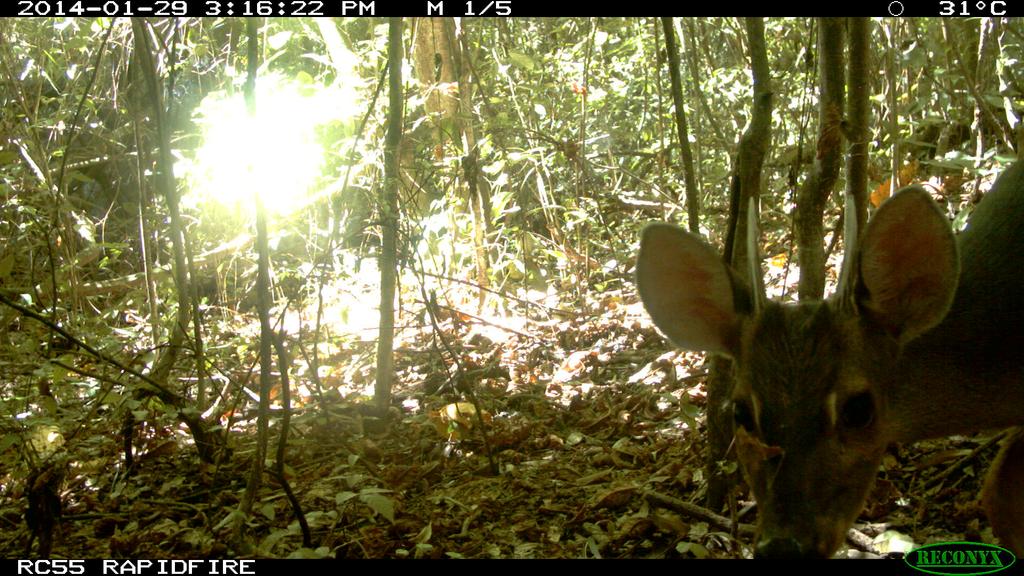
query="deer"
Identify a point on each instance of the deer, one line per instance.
(923, 338)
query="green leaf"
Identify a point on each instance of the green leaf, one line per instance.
(6, 265)
(267, 545)
(521, 60)
(698, 551)
(49, 404)
(268, 511)
(343, 497)
(380, 504)
(278, 40)
(8, 441)
(424, 535)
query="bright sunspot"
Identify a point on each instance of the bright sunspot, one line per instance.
(276, 153)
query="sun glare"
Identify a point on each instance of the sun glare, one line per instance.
(275, 153)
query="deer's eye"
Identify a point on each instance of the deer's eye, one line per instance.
(858, 411)
(742, 415)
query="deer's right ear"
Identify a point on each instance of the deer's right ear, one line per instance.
(687, 290)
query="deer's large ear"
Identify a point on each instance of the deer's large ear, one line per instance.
(687, 290)
(907, 265)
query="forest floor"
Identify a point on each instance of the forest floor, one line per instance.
(588, 427)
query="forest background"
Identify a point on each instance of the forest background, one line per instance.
(363, 287)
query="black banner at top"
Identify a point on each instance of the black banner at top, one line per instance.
(504, 8)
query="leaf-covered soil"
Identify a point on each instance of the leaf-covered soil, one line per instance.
(587, 428)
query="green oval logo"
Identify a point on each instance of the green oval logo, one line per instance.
(960, 558)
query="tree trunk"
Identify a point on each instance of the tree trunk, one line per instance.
(813, 195)
(389, 222)
(858, 113)
(682, 131)
(749, 161)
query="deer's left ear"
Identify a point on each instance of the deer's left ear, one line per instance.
(907, 265)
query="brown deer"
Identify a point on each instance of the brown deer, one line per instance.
(924, 338)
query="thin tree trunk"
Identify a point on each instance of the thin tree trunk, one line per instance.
(389, 221)
(255, 480)
(749, 161)
(682, 131)
(813, 195)
(858, 114)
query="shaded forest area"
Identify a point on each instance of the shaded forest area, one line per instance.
(363, 288)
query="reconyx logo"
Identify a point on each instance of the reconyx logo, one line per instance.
(960, 558)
